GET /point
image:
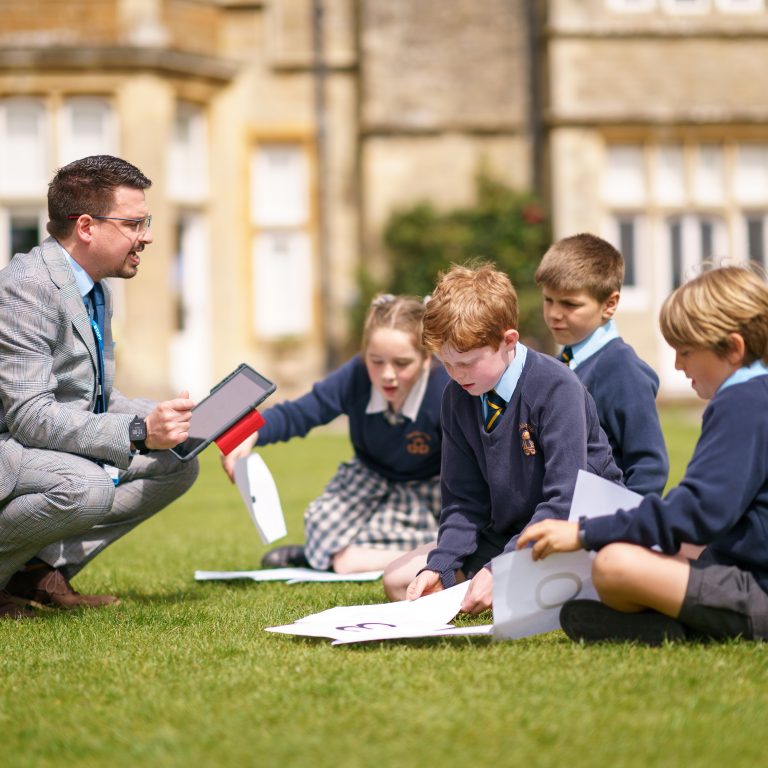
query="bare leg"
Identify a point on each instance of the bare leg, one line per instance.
(691, 551)
(355, 558)
(401, 572)
(631, 578)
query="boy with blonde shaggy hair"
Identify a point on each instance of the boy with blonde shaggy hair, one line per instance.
(718, 327)
(580, 278)
(517, 427)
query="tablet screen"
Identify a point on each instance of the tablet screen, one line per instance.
(226, 405)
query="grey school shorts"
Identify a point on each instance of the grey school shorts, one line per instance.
(724, 601)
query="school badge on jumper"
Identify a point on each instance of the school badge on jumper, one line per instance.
(418, 442)
(529, 448)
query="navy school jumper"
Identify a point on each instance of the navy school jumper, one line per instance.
(624, 390)
(402, 452)
(722, 501)
(524, 471)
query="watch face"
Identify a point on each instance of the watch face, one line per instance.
(137, 429)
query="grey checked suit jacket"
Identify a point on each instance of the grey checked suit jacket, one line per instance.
(48, 368)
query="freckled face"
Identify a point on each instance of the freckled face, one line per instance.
(706, 370)
(394, 364)
(478, 370)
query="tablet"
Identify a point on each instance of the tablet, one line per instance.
(230, 400)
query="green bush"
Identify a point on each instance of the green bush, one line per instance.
(504, 226)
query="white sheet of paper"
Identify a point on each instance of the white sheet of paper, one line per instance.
(290, 575)
(403, 633)
(435, 610)
(527, 595)
(259, 492)
(427, 614)
(595, 496)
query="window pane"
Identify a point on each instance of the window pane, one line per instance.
(23, 147)
(283, 284)
(708, 182)
(627, 247)
(669, 178)
(676, 252)
(624, 175)
(751, 182)
(25, 234)
(756, 239)
(188, 157)
(86, 129)
(280, 186)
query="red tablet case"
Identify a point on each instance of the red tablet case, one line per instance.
(250, 423)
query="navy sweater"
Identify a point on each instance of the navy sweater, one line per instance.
(494, 482)
(624, 390)
(722, 500)
(406, 451)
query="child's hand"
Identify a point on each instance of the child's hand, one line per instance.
(479, 596)
(425, 583)
(550, 536)
(228, 462)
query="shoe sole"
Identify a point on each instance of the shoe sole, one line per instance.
(593, 622)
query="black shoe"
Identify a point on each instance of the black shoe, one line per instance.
(593, 622)
(291, 556)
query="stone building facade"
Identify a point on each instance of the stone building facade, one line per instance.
(280, 134)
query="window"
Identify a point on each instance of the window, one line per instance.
(87, 128)
(685, 6)
(188, 157)
(669, 176)
(631, 5)
(751, 176)
(755, 231)
(282, 247)
(740, 6)
(624, 179)
(23, 147)
(189, 291)
(21, 229)
(709, 175)
(694, 241)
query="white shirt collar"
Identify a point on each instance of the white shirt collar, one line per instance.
(412, 404)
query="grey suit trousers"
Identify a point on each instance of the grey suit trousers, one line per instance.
(65, 509)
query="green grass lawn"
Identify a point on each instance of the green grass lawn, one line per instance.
(182, 674)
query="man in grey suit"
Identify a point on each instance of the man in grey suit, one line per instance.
(80, 464)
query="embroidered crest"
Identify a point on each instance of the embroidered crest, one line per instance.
(418, 442)
(529, 447)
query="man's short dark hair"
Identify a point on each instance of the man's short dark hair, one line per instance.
(88, 186)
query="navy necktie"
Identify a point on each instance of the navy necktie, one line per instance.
(566, 355)
(95, 306)
(495, 407)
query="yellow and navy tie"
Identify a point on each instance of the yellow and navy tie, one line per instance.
(495, 404)
(566, 355)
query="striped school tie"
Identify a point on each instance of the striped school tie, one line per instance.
(495, 407)
(566, 355)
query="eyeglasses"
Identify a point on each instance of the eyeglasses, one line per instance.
(139, 225)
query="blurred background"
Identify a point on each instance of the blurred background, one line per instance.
(307, 153)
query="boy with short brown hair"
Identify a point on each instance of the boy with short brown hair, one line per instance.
(517, 427)
(580, 279)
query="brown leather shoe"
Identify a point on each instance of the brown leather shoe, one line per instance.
(42, 584)
(10, 608)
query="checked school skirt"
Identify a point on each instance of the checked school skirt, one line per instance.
(360, 507)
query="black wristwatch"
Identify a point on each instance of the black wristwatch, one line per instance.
(137, 433)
